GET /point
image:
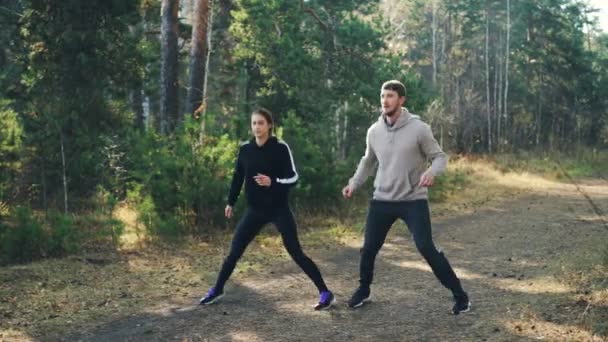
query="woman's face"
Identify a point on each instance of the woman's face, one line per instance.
(259, 126)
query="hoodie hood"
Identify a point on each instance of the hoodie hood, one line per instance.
(271, 141)
(402, 121)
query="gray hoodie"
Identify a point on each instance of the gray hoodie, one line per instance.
(402, 153)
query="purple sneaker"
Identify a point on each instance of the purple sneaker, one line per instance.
(212, 296)
(325, 301)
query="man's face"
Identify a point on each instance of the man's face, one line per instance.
(391, 102)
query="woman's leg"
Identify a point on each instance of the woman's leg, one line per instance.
(287, 227)
(249, 226)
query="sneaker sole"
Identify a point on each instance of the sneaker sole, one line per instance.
(214, 300)
(360, 304)
(333, 301)
(465, 310)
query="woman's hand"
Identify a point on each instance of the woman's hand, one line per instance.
(262, 180)
(228, 211)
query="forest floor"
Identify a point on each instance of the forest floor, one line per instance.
(530, 251)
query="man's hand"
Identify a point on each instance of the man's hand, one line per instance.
(427, 178)
(347, 191)
(228, 211)
(262, 180)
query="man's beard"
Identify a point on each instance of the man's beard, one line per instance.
(390, 113)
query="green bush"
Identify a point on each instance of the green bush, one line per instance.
(178, 185)
(97, 230)
(320, 177)
(11, 132)
(157, 226)
(63, 237)
(450, 182)
(25, 240)
(26, 237)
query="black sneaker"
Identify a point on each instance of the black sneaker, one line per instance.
(212, 296)
(326, 300)
(359, 297)
(461, 304)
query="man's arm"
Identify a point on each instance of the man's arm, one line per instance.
(366, 166)
(433, 152)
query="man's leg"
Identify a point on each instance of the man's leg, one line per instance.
(417, 217)
(380, 218)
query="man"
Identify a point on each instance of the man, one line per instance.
(400, 145)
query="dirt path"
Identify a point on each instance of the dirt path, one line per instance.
(506, 253)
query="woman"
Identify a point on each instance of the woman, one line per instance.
(266, 166)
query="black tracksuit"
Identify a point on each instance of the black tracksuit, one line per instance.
(380, 218)
(272, 159)
(266, 204)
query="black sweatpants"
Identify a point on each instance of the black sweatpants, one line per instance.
(380, 218)
(250, 225)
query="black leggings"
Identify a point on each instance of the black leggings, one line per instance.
(250, 225)
(381, 217)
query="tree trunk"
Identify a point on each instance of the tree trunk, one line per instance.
(136, 92)
(198, 52)
(64, 175)
(495, 94)
(539, 111)
(487, 57)
(434, 36)
(341, 131)
(553, 133)
(137, 100)
(459, 137)
(506, 105)
(147, 110)
(499, 117)
(335, 148)
(169, 65)
(43, 181)
(345, 131)
(206, 75)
